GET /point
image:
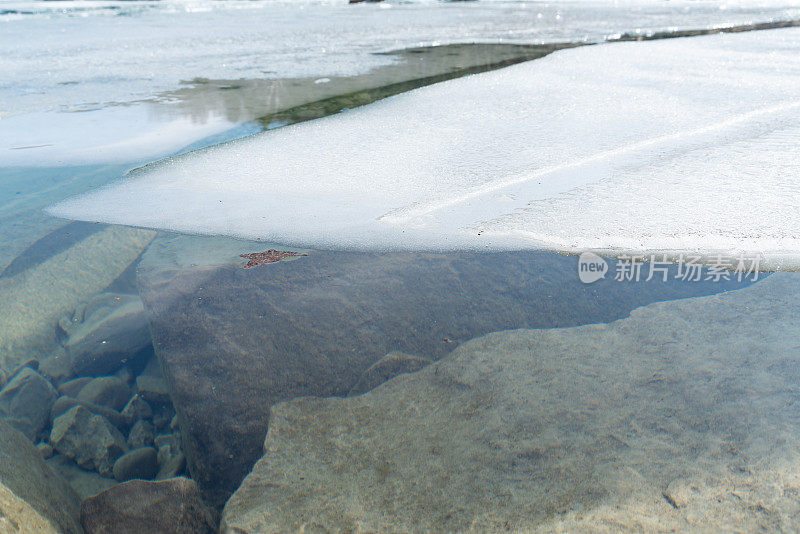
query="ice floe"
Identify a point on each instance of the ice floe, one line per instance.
(87, 56)
(674, 145)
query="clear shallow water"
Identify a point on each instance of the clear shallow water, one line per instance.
(676, 410)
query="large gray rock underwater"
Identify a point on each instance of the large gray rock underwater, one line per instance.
(682, 417)
(33, 498)
(232, 341)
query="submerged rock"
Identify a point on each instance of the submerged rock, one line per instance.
(681, 417)
(25, 402)
(45, 450)
(171, 460)
(171, 463)
(166, 507)
(84, 483)
(141, 435)
(137, 408)
(153, 389)
(72, 387)
(64, 403)
(139, 463)
(89, 439)
(32, 497)
(233, 341)
(392, 365)
(108, 391)
(35, 299)
(105, 333)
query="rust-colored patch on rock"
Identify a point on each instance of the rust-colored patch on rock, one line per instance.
(270, 256)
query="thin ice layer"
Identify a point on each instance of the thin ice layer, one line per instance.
(79, 56)
(683, 144)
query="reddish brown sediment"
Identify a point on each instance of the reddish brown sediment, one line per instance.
(270, 256)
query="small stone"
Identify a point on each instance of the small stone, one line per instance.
(166, 507)
(57, 367)
(31, 363)
(107, 391)
(124, 373)
(142, 435)
(64, 403)
(153, 389)
(45, 449)
(137, 408)
(88, 439)
(139, 463)
(25, 402)
(173, 440)
(163, 416)
(73, 387)
(680, 492)
(171, 464)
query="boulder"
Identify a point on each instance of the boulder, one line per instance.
(392, 365)
(166, 507)
(32, 497)
(139, 463)
(107, 391)
(89, 439)
(681, 417)
(141, 435)
(25, 402)
(233, 341)
(106, 333)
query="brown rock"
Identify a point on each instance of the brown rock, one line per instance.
(170, 506)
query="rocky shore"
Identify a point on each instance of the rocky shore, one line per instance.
(392, 394)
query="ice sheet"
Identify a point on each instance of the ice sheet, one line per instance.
(70, 56)
(683, 144)
(124, 134)
(59, 58)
